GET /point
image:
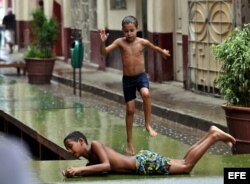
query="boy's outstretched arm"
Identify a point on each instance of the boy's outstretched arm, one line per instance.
(103, 49)
(103, 37)
(102, 167)
(165, 53)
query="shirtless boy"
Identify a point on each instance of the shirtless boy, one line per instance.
(103, 159)
(134, 76)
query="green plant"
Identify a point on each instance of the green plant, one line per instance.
(44, 32)
(233, 53)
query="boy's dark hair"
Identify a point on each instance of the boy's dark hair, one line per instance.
(75, 136)
(130, 19)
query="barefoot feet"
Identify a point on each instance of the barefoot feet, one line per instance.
(223, 136)
(130, 150)
(151, 131)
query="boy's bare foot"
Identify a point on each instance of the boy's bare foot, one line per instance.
(151, 131)
(130, 150)
(225, 137)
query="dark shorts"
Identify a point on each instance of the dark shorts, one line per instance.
(151, 163)
(131, 83)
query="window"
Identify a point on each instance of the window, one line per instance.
(118, 4)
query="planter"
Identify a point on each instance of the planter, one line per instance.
(39, 70)
(238, 122)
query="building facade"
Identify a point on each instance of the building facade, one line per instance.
(188, 28)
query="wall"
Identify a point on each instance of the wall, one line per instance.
(23, 13)
(111, 20)
(243, 11)
(160, 32)
(115, 16)
(66, 24)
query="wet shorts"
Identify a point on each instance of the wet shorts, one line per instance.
(131, 83)
(148, 162)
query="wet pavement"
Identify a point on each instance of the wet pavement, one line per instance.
(53, 110)
(169, 99)
(208, 171)
(170, 102)
(41, 107)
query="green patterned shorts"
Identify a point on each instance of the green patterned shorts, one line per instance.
(149, 163)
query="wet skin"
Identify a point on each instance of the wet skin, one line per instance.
(131, 48)
(133, 61)
(101, 159)
(104, 159)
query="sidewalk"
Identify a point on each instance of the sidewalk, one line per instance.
(169, 99)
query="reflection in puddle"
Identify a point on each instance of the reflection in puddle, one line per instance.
(54, 117)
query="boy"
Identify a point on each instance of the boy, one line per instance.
(104, 159)
(134, 76)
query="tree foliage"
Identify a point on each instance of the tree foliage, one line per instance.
(44, 33)
(234, 55)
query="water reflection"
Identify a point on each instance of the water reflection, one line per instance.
(54, 117)
(210, 169)
(56, 123)
(21, 96)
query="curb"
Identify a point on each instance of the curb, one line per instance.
(179, 117)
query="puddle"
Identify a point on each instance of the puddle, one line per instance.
(209, 171)
(54, 117)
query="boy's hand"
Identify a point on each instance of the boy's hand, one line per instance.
(70, 172)
(103, 35)
(165, 54)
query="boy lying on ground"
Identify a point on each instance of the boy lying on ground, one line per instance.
(103, 159)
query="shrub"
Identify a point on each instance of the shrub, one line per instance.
(234, 55)
(44, 32)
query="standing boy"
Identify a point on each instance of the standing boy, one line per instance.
(134, 76)
(103, 159)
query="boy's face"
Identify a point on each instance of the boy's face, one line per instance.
(75, 147)
(129, 31)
